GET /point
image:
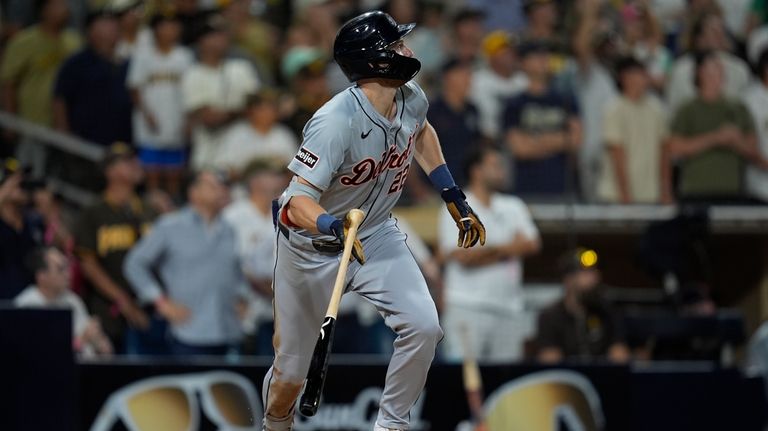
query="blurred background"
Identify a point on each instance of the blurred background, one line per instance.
(616, 150)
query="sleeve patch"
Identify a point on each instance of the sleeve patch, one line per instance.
(307, 157)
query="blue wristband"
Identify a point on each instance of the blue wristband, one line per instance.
(441, 178)
(324, 222)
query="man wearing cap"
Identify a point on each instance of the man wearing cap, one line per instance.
(496, 81)
(581, 326)
(189, 269)
(542, 130)
(214, 91)
(104, 232)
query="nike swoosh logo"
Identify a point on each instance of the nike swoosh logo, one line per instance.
(365, 135)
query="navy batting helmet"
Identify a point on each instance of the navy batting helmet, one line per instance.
(362, 48)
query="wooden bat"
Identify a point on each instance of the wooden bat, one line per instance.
(318, 368)
(473, 384)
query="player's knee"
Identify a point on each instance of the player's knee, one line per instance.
(428, 330)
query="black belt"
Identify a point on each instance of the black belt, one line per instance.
(321, 245)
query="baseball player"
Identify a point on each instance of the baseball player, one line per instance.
(356, 152)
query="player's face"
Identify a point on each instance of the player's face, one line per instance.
(399, 47)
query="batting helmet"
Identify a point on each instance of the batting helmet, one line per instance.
(362, 48)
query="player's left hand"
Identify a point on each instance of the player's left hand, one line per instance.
(341, 230)
(471, 229)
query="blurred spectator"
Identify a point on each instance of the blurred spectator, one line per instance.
(757, 42)
(645, 41)
(251, 218)
(188, 267)
(309, 88)
(495, 82)
(30, 63)
(20, 230)
(756, 100)
(483, 287)
(253, 37)
(541, 27)
(259, 135)
(49, 206)
(154, 78)
(429, 40)
(454, 118)
(581, 326)
(51, 290)
(104, 233)
(90, 96)
(594, 88)
(467, 34)
(712, 133)
(214, 90)
(707, 34)
(634, 130)
(132, 36)
(542, 130)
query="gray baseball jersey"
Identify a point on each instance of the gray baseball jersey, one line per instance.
(359, 159)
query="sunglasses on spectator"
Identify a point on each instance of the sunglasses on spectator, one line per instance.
(170, 403)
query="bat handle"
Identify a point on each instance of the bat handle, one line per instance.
(310, 399)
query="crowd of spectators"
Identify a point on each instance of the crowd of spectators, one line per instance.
(200, 105)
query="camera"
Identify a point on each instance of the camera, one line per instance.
(28, 182)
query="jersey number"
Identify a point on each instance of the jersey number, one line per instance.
(399, 182)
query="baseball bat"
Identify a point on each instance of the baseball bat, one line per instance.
(310, 399)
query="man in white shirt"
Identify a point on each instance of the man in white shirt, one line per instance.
(52, 275)
(251, 218)
(482, 287)
(214, 91)
(494, 83)
(756, 100)
(154, 77)
(259, 135)
(708, 35)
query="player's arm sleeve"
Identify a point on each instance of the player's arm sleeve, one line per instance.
(139, 262)
(322, 152)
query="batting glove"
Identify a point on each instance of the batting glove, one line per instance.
(471, 229)
(340, 230)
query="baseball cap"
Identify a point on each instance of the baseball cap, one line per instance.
(161, 15)
(578, 259)
(496, 41)
(453, 63)
(116, 152)
(214, 24)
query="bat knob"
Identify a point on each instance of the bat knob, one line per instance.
(308, 408)
(355, 216)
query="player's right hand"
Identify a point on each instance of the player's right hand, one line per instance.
(340, 231)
